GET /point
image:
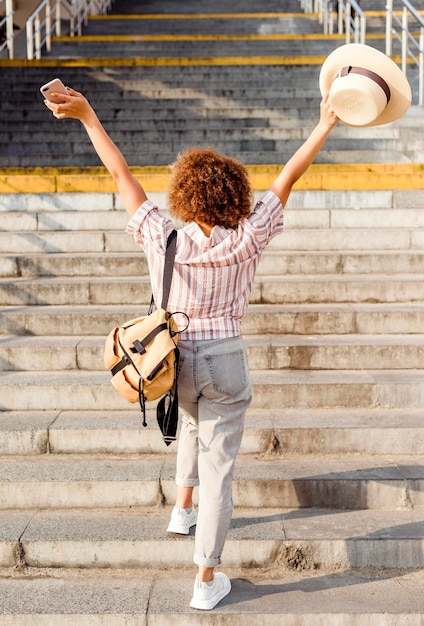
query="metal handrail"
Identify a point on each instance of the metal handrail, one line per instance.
(46, 20)
(6, 23)
(350, 19)
(409, 44)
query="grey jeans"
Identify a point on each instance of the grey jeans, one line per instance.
(214, 392)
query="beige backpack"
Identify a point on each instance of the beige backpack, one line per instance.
(143, 355)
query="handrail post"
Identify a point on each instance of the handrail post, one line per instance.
(9, 28)
(421, 68)
(48, 27)
(340, 18)
(389, 20)
(356, 30)
(330, 17)
(58, 21)
(404, 39)
(37, 28)
(323, 16)
(30, 41)
(347, 21)
(363, 29)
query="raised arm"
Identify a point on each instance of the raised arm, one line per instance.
(76, 106)
(298, 164)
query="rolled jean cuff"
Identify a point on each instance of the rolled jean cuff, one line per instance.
(187, 482)
(205, 562)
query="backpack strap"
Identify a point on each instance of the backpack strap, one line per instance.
(171, 246)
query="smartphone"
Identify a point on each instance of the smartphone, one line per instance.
(54, 86)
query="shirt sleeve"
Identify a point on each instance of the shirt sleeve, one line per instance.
(267, 218)
(149, 228)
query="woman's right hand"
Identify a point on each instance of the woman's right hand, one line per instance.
(74, 106)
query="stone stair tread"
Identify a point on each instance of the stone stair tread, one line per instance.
(114, 599)
(305, 239)
(150, 523)
(295, 239)
(145, 468)
(286, 340)
(127, 538)
(304, 352)
(273, 261)
(292, 288)
(30, 378)
(299, 319)
(281, 432)
(320, 318)
(67, 390)
(272, 419)
(339, 482)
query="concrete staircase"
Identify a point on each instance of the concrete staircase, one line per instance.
(328, 527)
(164, 79)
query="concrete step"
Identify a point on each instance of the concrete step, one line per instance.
(290, 432)
(309, 217)
(260, 138)
(194, 48)
(255, 152)
(403, 139)
(252, 157)
(209, 25)
(223, 129)
(273, 289)
(300, 319)
(273, 352)
(357, 482)
(111, 599)
(273, 262)
(82, 390)
(122, 102)
(321, 539)
(47, 209)
(130, 81)
(207, 112)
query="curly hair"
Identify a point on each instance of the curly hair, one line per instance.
(209, 187)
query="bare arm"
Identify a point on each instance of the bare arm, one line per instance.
(76, 106)
(304, 156)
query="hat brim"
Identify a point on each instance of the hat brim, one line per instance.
(361, 55)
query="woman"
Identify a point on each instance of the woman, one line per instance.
(218, 251)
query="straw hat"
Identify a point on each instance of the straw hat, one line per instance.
(366, 88)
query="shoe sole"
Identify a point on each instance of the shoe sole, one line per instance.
(207, 605)
(179, 530)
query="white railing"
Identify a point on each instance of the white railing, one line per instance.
(349, 18)
(409, 30)
(46, 21)
(6, 27)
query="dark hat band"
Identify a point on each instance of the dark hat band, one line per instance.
(369, 74)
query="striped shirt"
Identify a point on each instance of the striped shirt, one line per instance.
(213, 275)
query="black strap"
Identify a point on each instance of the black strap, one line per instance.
(171, 246)
(139, 345)
(167, 408)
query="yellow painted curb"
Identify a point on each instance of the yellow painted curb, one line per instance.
(172, 61)
(207, 37)
(161, 61)
(324, 177)
(202, 16)
(229, 16)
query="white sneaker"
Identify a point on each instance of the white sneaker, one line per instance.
(181, 521)
(206, 596)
